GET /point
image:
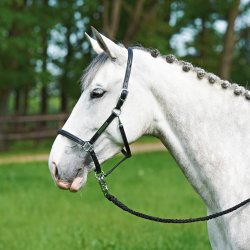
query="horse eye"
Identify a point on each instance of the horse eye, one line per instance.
(97, 93)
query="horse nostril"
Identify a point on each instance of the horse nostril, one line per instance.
(55, 171)
(60, 183)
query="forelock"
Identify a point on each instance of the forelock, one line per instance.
(90, 72)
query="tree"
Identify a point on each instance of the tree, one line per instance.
(126, 20)
(71, 29)
(29, 29)
(229, 40)
(18, 52)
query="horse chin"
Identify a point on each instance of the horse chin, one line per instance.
(78, 182)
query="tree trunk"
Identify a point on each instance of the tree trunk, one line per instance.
(202, 45)
(136, 12)
(25, 100)
(229, 42)
(21, 100)
(64, 81)
(64, 101)
(135, 22)
(17, 101)
(111, 24)
(4, 96)
(44, 100)
(44, 90)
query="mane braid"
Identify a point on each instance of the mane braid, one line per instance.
(201, 73)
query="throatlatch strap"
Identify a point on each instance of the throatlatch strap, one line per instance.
(125, 140)
(126, 152)
(102, 128)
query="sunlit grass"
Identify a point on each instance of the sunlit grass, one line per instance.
(34, 214)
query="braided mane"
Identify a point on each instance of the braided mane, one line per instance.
(201, 73)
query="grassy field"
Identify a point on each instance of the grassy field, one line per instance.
(35, 215)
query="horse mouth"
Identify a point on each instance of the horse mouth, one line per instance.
(74, 186)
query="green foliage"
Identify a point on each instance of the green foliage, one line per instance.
(240, 69)
(16, 46)
(42, 43)
(204, 20)
(37, 215)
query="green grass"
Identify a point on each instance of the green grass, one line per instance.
(34, 214)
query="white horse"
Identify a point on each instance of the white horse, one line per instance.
(202, 120)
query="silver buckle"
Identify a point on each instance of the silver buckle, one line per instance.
(87, 146)
(101, 179)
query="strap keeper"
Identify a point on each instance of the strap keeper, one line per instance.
(124, 94)
(116, 112)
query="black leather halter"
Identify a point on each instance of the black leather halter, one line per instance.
(88, 146)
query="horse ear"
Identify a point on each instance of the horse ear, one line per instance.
(94, 44)
(114, 51)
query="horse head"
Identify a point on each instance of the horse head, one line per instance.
(101, 88)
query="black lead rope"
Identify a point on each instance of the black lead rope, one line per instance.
(119, 204)
(88, 146)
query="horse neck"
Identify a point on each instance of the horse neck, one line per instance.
(205, 128)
